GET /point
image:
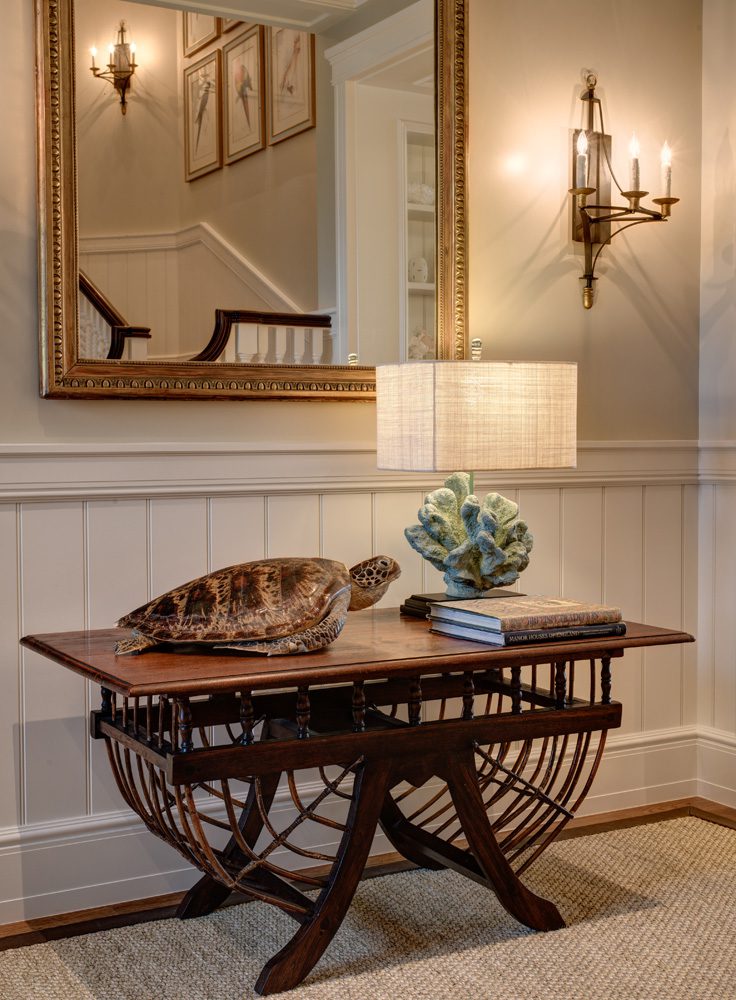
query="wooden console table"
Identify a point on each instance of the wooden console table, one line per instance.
(469, 757)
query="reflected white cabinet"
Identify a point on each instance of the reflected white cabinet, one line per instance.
(417, 258)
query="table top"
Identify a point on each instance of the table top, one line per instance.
(374, 644)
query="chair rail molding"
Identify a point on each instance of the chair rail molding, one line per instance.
(58, 471)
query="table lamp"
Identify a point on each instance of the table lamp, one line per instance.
(439, 416)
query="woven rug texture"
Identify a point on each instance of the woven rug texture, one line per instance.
(651, 913)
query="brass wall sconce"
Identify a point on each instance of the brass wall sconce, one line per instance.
(120, 67)
(592, 175)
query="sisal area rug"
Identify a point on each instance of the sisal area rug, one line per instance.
(651, 913)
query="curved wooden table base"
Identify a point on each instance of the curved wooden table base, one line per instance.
(297, 959)
(461, 764)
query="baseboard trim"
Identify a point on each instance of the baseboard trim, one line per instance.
(163, 906)
(717, 765)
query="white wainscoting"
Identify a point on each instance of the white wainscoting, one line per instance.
(87, 533)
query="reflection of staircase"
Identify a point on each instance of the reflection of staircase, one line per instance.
(177, 279)
(103, 331)
(269, 338)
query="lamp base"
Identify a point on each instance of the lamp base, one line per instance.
(417, 605)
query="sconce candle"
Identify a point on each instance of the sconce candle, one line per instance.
(666, 170)
(93, 53)
(581, 161)
(634, 154)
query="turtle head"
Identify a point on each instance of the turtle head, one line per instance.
(370, 580)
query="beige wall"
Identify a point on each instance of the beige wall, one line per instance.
(129, 166)
(718, 248)
(638, 347)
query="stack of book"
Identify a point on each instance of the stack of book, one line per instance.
(509, 621)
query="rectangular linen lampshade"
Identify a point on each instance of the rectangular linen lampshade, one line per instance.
(438, 416)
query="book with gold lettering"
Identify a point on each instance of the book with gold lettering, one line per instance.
(519, 637)
(518, 613)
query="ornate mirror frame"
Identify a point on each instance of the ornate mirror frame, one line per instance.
(64, 375)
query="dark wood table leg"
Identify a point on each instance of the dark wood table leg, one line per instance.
(207, 894)
(529, 909)
(406, 837)
(296, 960)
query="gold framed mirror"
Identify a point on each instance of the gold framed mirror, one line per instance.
(65, 373)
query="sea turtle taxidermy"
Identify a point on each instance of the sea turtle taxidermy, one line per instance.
(272, 606)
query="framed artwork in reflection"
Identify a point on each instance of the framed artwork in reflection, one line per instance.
(230, 23)
(199, 30)
(202, 117)
(243, 103)
(290, 83)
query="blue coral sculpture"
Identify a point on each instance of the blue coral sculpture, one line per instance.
(477, 545)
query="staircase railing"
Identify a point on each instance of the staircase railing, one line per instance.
(256, 337)
(121, 332)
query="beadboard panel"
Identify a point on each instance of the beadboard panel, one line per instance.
(724, 659)
(237, 528)
(11, 746)
(293, 526)
(74, 561)
(346, 527)
(663, 544)
(53, 585)
(707, 547)
(690, 602)
(117, 581)
(582, 548)
(392, 512)
(623, 586)
(178, 540)
(540, 508)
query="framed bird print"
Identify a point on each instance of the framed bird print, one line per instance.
(243, 104)
(202, 117)
(291, 88)
(199, 30)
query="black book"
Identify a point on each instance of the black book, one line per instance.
(528, 636)
(417, 606)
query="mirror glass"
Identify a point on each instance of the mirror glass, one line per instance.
(255, 169)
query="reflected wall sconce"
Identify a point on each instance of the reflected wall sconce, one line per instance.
(121, 65)
(592, 175)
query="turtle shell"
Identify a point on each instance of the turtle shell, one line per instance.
(267, 599)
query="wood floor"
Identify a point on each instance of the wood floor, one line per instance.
(38, 931)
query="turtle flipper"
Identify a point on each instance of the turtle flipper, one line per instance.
(316, 637)
(135, 644)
